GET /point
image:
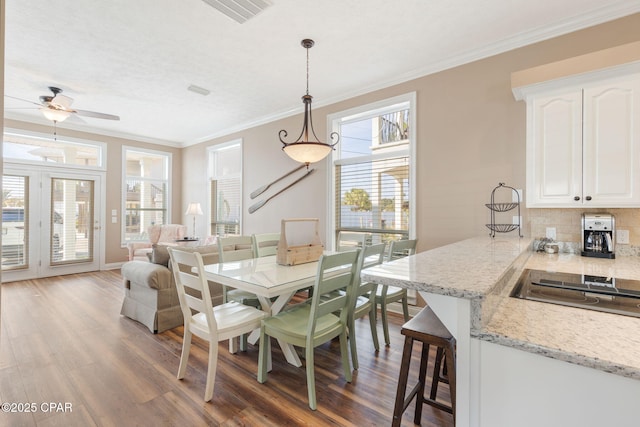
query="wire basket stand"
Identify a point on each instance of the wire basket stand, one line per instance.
(503, 207)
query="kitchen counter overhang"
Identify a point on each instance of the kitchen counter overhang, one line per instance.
(485, 270)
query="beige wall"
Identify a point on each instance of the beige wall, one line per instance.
(470, 133)
(114, 253)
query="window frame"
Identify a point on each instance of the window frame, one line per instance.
(123, 208)
(374, 109)
(211, 176)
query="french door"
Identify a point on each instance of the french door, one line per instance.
(51, 222)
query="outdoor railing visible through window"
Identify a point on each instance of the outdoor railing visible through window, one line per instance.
(394, 127)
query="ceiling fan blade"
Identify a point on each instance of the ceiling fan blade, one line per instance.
(97, 115)
(25, 100)
(62, 101)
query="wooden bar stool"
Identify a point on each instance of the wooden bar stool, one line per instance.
(426, 328)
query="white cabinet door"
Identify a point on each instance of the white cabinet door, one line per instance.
(554, 150)
(612, 144)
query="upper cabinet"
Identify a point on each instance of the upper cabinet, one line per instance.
(583, 146)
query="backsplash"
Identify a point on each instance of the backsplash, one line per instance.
(568, 226)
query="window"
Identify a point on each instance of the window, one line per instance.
(225, 183)
(145, 191)
(35, 148)
(373, 170)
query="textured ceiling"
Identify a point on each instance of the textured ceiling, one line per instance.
(136, 58)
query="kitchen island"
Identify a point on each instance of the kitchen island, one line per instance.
(526, 363)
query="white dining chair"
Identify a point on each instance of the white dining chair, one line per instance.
(213, 324)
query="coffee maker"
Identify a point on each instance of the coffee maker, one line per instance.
(598, 235)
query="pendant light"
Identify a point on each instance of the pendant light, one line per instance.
(304, 149)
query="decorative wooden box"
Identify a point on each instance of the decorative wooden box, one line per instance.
(299, 241)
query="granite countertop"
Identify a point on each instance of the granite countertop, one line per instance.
(603, 341)
(467, 269)
(485, 270)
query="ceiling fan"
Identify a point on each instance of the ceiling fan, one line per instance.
(57, 107)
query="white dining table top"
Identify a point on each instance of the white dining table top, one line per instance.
(262, 276)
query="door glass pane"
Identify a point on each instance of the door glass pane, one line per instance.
(71, 235)
(15, 222)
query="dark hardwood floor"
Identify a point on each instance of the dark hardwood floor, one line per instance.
(63, 341)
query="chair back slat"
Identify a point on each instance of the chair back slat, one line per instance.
(401, 248)
(186, 268)
(265, 244)
(369, 256)
(350, 240)
(235, 248)
(335, 272)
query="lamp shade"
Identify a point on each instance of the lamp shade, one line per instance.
(55, 115)
(194, 209)
(307, 152)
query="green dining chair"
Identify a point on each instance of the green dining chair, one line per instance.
(364, 300)
(265, 244)
(385, 295)
(350, 240)
(312, 324)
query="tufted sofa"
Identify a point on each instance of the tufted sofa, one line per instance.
(150, 291)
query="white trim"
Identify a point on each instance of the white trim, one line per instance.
(577, 81)
(404, 152)
(113, 265)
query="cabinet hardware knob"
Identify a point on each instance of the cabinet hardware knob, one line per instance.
(588, 198)
(576, 198)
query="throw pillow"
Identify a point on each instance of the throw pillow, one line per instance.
(160, 255)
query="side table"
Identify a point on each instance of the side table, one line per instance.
(187, 241)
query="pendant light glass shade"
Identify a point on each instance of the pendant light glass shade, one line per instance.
(304, 149)
(55, 115)
(307, 152)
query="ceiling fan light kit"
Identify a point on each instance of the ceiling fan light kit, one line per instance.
(55, 115)
(303, 149)
(57, 107)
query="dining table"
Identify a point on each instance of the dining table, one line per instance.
(273, 284)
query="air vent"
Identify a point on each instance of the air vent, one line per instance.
(198, 89)
(239, 10)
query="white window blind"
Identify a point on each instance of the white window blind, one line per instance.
(373, 197)
(225, 171)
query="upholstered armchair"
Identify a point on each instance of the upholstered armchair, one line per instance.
(165, 234)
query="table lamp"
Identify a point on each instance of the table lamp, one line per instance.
(194, 209)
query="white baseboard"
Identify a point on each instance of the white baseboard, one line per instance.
(113, 266)
(396, 307)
